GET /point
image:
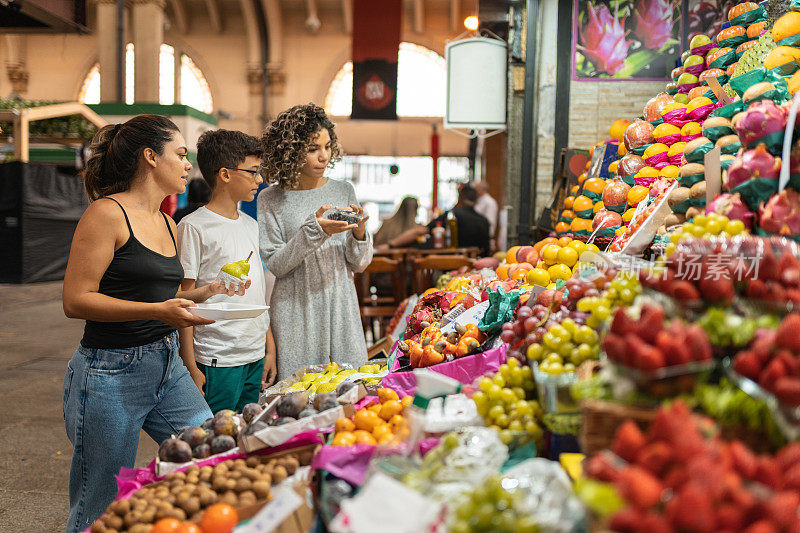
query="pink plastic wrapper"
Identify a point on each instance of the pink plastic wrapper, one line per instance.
(699, 114)
(675, 115)
(687, 138)
(703, 50)
(645, 181)
(684, 88)
(352, 462)
(695, 70)
(464, 369)
(130, 480)
(676, 160)
(669, 140)
(658, 159)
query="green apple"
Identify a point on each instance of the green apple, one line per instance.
(699, 40)
(687, 78)
(692, 61)
(681, 98)
(238, 269)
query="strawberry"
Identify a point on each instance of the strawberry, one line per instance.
(767, 473)
(745, 461)
(793, 295)
(655, 457)
(763, 344)
(787, 389)
(649, 358)
(762, 526)
(775, 292)
(729, 517)
(602, 467)
(790, 270)
(788, 456)
(676, 476)
(782, 507)
(639, 487)
(628, 441)
(792, 478)
(627, 521)
(747, 364)
(768, 266)
(683, 291)
(675, 352)
(655, 523)
(650, 322)
(622, 323)
(774, 370)
(756, 289)
(717, 290)
(633, 346)
(790, 361)
(691, 510)
(614, 346)
(788, 334)
(699, 345)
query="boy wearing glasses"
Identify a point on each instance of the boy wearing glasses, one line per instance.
(228, 360)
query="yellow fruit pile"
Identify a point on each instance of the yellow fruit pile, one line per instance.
(556, 259)
(331, 377)
(377, 423)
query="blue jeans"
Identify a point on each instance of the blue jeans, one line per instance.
(109, 396)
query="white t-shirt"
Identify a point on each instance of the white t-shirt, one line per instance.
(206, 242)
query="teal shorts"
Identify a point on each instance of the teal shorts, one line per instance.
(232, 387)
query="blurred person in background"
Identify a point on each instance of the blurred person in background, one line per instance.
(198, 194)
(403, 220)
(487, 206)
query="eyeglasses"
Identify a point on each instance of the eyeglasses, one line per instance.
(253, 173)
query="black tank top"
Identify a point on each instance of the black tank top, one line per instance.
(137, 274)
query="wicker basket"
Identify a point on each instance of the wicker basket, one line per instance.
(601, 420)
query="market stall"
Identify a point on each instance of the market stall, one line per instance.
(639, 370)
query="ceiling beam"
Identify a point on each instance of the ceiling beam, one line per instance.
(455, 11)
(347, 14)
(274, 22)
(419, 16)
(214, 16)
(179, 16)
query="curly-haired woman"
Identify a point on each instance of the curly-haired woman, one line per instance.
(314, 308)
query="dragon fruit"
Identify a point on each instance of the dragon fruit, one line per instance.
(758, 120)
(653, 22)
(732, 206)
(603, 39)
(751, 164)
(781, 214)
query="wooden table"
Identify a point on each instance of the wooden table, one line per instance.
(405, 253)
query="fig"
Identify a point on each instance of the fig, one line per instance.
(224, 413)
(307, 411)
(291, 404)
(193, 436)
(175, 451)
(283, 420)
(328, 403)
(202, 451)
(225, 426)
(256, 426)
(344, 387)
(222, 443)
(320, 398)
(208, 425)
(250, 411)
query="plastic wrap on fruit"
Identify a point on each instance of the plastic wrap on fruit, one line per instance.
(344, 215)
(234, 274)
(653, 107)
(547, 494)
(639, 133)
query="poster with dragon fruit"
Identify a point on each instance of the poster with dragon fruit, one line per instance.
(625, 39)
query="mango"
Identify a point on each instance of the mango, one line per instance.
(794, 83)
(781, 55)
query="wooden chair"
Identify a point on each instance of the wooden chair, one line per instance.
(425, 266)
(379, 308)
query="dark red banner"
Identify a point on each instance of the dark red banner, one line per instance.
(376, 40)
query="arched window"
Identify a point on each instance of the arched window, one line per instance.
(421, 84)
(193, 86)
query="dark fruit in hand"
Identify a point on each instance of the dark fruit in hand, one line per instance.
(222, 443)
(202, 451)
(193, 436)
(250, 411)
(291, 404)
(175, 451)
(344, 216)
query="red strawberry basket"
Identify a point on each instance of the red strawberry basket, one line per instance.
(665, 382)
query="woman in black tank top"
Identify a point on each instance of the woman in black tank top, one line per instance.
(123, 277)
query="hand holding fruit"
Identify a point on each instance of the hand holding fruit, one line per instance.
(360, 231)
(174, 313)
(332, 226)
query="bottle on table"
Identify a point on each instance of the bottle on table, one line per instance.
(437, 234)
(452, 230)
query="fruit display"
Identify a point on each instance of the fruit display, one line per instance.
(436, 347)
(379, 422)
(192, 493)
(216, 435)
(330, 378)
(505, 401)
(726, 328)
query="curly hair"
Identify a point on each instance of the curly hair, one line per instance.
(285, 143)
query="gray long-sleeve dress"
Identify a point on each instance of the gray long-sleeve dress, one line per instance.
(314, 307)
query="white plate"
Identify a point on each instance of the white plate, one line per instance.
(227, 311)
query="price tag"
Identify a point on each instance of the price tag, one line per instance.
(598, 157)
(473, 315)
(273, 514)
(713, 174)
(719, 92)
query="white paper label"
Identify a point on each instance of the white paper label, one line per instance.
(473, 315)
(718, 91)
(713, 173)
(285, 502)
(787, 143)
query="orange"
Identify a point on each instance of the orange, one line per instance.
(628, 214)
(541, 244)
(612, 167)
(537, 276)
(188, 527)
(384, 430)
(568, 202)
(516, 267)
(617, 129)
(620, 230)
(344, 424)
(713, 56)
(730, 31)
(591, 151)
(637, 194)
(595, 185)
(550, 254)
(622, 150)
(562, 227)
(575, 188)
(366, 419)
(559, 271)
(564, 241)
(344, 439)
(541, 264)
(581, 178)
(730, 69)
(740, 8)
(786, 26)
(598, 206)
(166, 525)
(754, 30)
(364, 437)
(502, 271)
(568, 256)
(511, 254)
(581, 224)
(390, 408)
(567, 213)
(518, 274)
(406, 401)
(696, 92)
(582, 203)
(219, 518)
(375, 408)
(690, 128)
(747, 45)
(385, 394)
(397, 422)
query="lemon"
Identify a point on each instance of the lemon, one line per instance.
(559, 271)
(550, 254)
(538, 276)
(592, 248)
(567, 256)
(578, 246)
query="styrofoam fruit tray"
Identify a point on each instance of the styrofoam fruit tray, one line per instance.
(227, 310)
